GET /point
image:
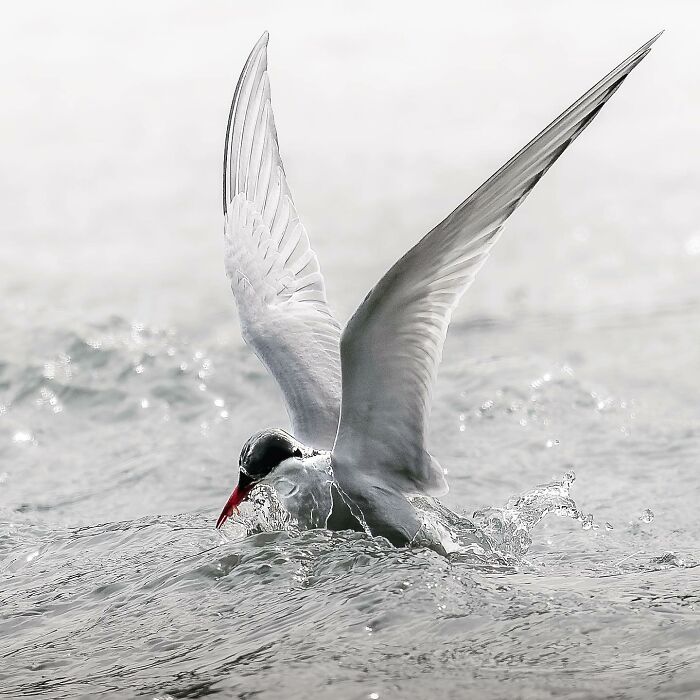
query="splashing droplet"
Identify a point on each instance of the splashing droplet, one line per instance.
(647, 516)
(508, 529)
(587, 521)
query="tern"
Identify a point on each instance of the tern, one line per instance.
(358, 398)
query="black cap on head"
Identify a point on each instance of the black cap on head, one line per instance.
(265, 450)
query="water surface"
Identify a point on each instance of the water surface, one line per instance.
(126, 392)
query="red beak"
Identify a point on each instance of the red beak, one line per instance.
(237, 497)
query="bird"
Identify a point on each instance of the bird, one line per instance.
(359, 397)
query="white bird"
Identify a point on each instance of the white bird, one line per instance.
(359, 400)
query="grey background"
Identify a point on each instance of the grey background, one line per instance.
(389, 114)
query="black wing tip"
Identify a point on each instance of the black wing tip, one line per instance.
(654, 38)
(646, 47)
(629, 64)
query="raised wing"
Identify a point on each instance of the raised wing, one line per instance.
(274, 273)
(393, 344)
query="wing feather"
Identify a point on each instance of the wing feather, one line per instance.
(275, 275)
(392, 346)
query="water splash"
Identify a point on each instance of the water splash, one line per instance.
(497, 537)
(493, 538)
(262, 512)
(509, 528)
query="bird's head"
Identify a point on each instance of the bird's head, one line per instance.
(260, 456)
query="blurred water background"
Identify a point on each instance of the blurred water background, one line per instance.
(126, 391)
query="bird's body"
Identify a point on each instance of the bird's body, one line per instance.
(308, 490)
(358, 400)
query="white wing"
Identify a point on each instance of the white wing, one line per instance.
(274, 274)
(392, 346)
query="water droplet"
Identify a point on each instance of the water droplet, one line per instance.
(373, 696)
(48, 398)
(224, 414)
(145, 403)
(462, 428)
(22, 436)
(587, 521)
(219, 403)
(647, 516)
(202, 387)
(552, 443)
(523, 422)
(139, 369)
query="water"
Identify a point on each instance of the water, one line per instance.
(126, 392)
